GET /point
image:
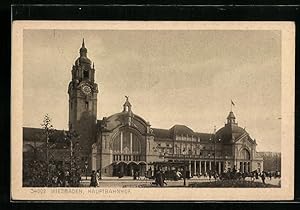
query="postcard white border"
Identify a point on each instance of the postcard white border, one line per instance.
(286, 192)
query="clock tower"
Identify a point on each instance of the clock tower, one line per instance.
(82, 92)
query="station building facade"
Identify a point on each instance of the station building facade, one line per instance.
(125, 142)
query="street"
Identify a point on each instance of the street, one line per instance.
(125, 182)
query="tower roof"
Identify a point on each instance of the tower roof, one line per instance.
(83, 59)
(83, 48)
(231, 115)
(127, 105)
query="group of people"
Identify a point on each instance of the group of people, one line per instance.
(235, 174)
(66, 179)
(159, 178)
(40, 174)
(95, 178)
(266, 174)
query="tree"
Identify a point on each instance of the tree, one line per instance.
(57, 160)
(40, 168)
(75, 167)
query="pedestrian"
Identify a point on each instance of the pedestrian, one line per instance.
(93, 179)
(263, 176)
(98, 177)
(134, 175)
(160, 179)
(164, 178)
(215, 175)
(256, 174)
(156, 178)
(138, 175)
(149, 173)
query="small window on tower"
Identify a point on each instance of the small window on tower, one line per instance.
(85, 74)
(86, 104)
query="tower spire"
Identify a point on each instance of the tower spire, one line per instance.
(83, 45)
(127, 105)
(231, 118)
(83, 50)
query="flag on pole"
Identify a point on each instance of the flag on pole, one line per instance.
(232, 104)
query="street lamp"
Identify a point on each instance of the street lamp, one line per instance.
(185, 152)
(214, 141)
(86, 166)
(184, 167)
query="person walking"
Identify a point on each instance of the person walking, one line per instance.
(160, 179)
(263, 177)
(98, 177)
(93, 179)
(164, 178)
(256, 174)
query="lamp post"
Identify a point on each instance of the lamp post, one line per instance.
(184, 168)
(213, 139)
(214, 142)
(86, 166)
(185, 152)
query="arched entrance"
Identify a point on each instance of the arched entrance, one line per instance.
(127, 153)
(142, 168)
(119, 169)
(245, 161)
(132, 167)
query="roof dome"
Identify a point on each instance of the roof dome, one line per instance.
(231, 130)
(231, 115)
(83, 59)
(229, 133)
(181, 129)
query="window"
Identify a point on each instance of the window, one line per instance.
(86, 74)
(86, 105)
(128, 141)
(245, 154)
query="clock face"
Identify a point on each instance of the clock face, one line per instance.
(86, 90)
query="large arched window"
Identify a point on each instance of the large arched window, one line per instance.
(245, 154)
(126, 143)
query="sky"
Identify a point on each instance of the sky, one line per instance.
(171, 77)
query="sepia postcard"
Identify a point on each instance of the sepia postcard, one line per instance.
(152, 110)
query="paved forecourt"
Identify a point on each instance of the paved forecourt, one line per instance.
(130, 182)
